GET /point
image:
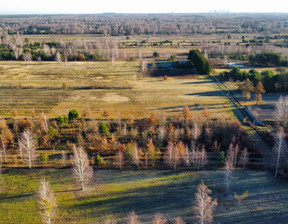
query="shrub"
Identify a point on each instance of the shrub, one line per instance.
(44, 158)
(103, 129)
(129, 152)
(98, 160)
(62, 119)
(155, 54)
(73, 114)
(222, 157)
(172, 58)
(52, 132)
(64, 85)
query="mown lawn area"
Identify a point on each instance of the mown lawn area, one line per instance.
(114, 193)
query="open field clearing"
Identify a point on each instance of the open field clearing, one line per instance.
(114, 193)
(39, 86)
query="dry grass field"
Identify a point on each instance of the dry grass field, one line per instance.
(39, 86)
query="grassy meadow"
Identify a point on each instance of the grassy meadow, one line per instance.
(113, 193)
(120, 90)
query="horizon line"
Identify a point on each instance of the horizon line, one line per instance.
(134, 13)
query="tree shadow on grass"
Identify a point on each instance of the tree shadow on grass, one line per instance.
(167, 198)
(201, 82)
(209, 93)
(13, 197)
(174, 197)
(194, 107)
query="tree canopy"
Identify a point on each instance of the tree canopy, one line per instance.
(200, 62)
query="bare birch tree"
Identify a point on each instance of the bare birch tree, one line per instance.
(199, 158)
(135, 155)
(43, 122)
(81, 168)
(63, 158)
(172, 155)
(178, 220)
(196, 132)
(279, 149)
(228, 172)
(244, 158)
(27, 56)
(109, 221)
(3, 146)
(133, 218)
(168, 156)
(187, 157)
(46, 202)
(159, 219)
(162, 134)
(204, 206)
(27, 147)
(281, 110)
(119, 159)
(65, 60)
(58, 57)
(233, 153)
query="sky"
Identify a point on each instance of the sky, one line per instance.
(136, 6)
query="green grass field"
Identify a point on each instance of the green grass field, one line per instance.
(38, 86)
(114, 193)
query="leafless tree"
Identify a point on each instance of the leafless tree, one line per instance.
(196, 132)
(109, 221)
(143, 66)
(46, 202)
(58, 57)
(172, 155)
(162, 134)
(27, 147)
(204, 206)
(81, 168)
(199, 158)
(27, 56)
(279, 149)
(135, 155)
(168, 156)
(43, 122)
(281, 110)
(244, 158)
(3, 146)
(178, 220)
(133, 218)
(63, 158)
(66, 59)
(187, 157)
(119, 159)
(233, 153)
(228, 172)
(159, 219)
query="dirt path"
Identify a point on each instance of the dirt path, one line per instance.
(239, 112)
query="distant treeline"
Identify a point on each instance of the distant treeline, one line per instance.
(144, 24)
(271, 82)
(15, 48)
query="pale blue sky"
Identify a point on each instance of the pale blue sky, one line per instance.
(136, 6)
